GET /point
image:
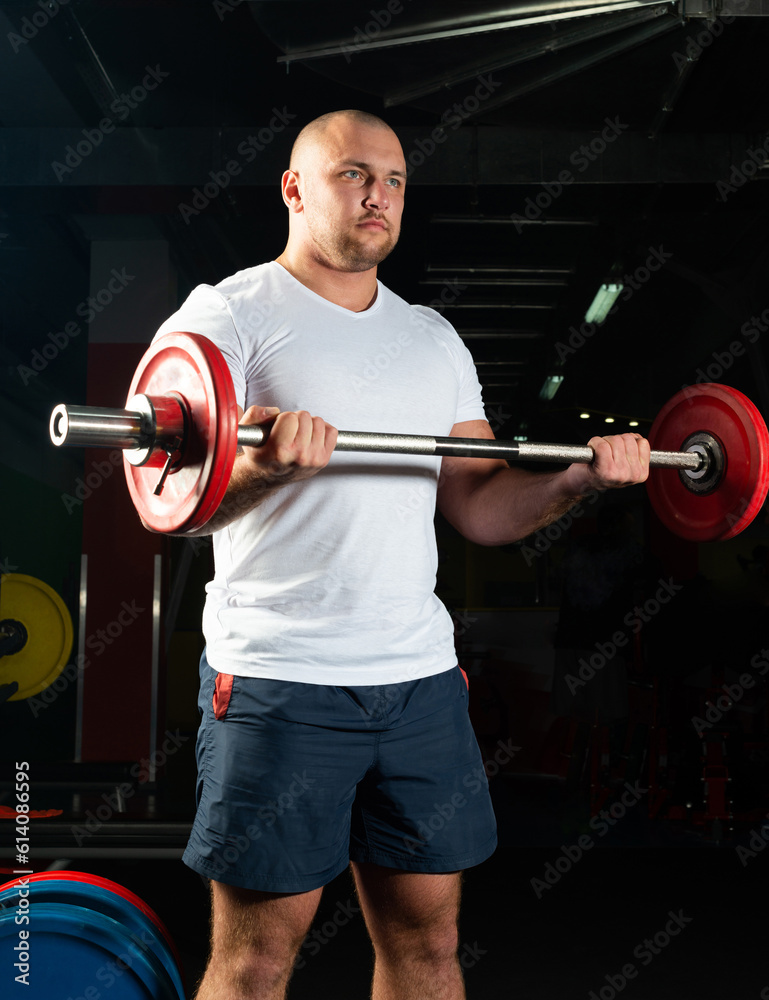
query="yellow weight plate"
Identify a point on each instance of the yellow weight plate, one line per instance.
(49, 627)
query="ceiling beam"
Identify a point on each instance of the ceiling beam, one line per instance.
(509, 53)
(714, 9)
(545, 12)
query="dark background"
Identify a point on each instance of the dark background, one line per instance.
(518, 249)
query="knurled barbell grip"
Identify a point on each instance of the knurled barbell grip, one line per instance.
(414, 444)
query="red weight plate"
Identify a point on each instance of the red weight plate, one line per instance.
(193, 367)
(730, 417)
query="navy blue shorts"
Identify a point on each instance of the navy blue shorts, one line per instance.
(295, 780)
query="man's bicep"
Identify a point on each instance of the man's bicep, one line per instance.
(460, 477)
(473, 429)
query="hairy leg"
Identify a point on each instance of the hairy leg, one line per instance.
(412, 920)
(255, 937)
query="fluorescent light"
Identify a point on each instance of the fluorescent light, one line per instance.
(550, 386)
(584, 416)
(605, 298)
(633, 423)
(609, 420)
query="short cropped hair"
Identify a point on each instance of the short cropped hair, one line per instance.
(312, 132)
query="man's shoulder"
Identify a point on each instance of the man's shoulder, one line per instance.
(249, 280)
(216, 309)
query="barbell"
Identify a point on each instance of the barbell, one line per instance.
(179, 433)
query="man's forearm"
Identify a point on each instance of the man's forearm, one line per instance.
(244, 493)
(298, 447)
(493, 504)
(514, 503)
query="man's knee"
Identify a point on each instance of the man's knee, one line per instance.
(439, 945)
(249, 972)
(432, 943)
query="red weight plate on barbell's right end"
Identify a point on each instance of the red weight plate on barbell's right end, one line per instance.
(192, 366)
(734, 420)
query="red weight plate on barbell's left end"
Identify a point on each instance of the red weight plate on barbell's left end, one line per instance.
(192, 366)
(734, 420)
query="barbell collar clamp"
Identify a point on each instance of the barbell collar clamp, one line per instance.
(164, 424)
(705, 479)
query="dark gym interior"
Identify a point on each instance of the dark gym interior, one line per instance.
(553, 148)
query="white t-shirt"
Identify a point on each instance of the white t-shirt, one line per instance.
(331, 580)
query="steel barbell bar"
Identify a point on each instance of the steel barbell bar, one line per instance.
(137, 431)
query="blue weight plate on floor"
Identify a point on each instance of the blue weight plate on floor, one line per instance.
(101, 900)
(79, 953)
(113, 887)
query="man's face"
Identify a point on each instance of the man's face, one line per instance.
(353, 188)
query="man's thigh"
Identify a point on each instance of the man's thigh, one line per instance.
(406, 908)
(246, 920)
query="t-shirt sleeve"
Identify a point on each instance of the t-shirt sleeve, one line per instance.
(469, 395)
(207, 312)
(470, 398)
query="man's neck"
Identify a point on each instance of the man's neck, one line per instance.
(351, 290)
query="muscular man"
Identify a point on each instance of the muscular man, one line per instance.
(334, 717)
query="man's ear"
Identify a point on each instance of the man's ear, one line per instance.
(291, 191)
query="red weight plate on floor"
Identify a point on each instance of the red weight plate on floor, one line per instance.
(735, 422)
(193, 367)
